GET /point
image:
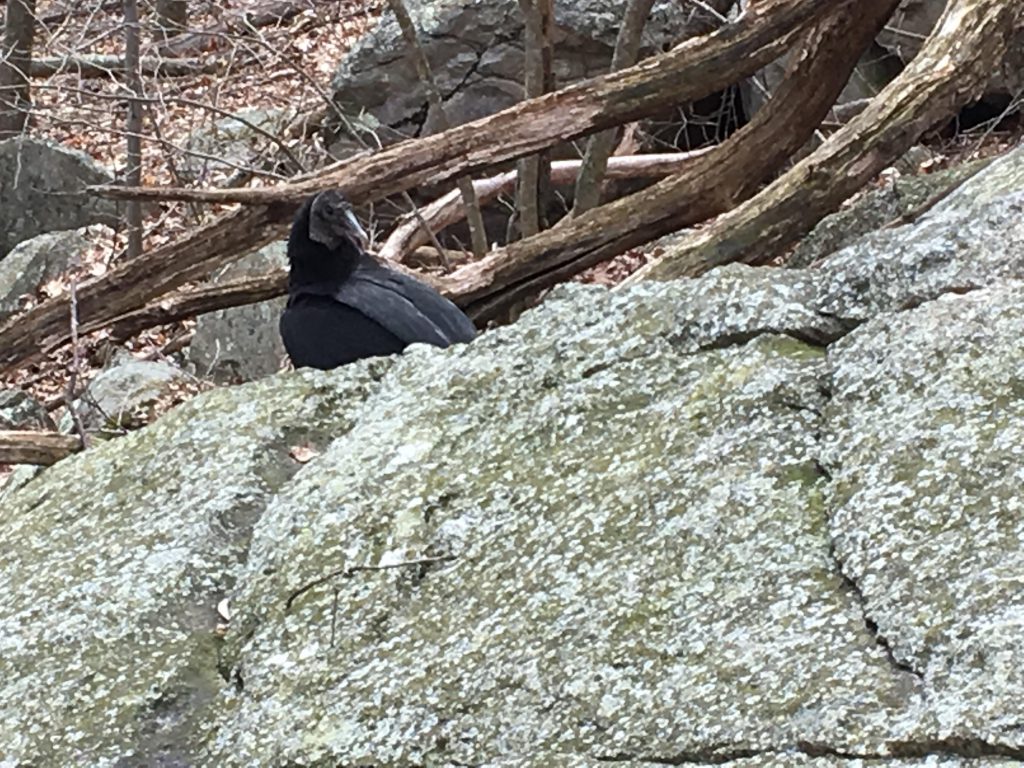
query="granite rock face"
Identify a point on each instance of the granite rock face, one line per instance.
(770, 517)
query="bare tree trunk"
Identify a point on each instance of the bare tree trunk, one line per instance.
(15, 94)
(133, 160)
(474, 217)
(600, 146)
(533, 183)
(171, 17)
(967, 44)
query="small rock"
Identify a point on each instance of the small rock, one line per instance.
(34, 262)
(130, 394)
(242, 343)
(18, 410)
(232, 142)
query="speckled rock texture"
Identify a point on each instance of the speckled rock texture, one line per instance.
(753, 519)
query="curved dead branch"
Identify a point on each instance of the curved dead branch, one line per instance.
(708, 186)
(956, 61)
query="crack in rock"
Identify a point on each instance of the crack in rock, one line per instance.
(872, 626)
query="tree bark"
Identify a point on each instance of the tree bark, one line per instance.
(957, 59)
(15, 93)
(133, 125)
(694, 69)
(24, 447)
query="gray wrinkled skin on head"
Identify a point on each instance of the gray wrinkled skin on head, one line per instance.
(332, 222)
(758, 519)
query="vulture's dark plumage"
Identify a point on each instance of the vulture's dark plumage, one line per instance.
(344, 305)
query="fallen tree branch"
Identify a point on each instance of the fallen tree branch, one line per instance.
(95, 65)
(709, 185)
(58, 17)
(408, 234)
(691, 70)
(197, 301)
(238, 23)
(952, 67)
(26, 447)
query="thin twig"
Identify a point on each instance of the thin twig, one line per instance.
(76, 352)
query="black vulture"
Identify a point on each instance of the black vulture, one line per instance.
(344, 305)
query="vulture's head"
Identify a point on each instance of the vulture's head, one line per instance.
(332, 222)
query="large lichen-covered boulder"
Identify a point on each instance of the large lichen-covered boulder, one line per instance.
(42, 189)
(749, 519)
